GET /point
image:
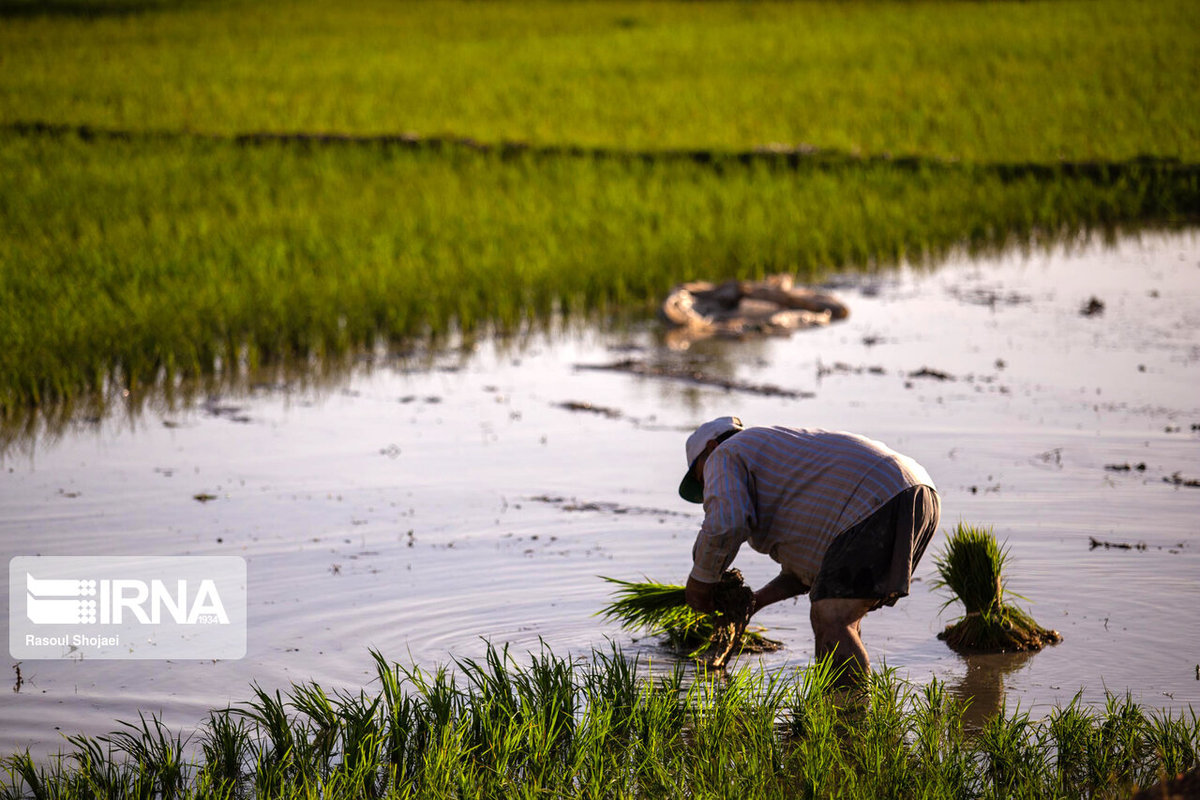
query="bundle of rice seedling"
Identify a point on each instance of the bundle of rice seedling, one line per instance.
(971, 567)
(661, 609)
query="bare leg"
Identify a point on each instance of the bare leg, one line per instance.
(837, 627)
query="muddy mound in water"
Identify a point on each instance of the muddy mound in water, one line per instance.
(772, 306)
(1007, 629)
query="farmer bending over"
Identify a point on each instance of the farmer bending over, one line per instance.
(847, 518)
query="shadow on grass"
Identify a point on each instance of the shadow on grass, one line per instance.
(84, 9)
(1101, 172)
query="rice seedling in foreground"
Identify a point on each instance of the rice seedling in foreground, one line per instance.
(593, 726)
(971, 567)
(661, 610)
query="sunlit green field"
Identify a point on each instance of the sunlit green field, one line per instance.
(165, 245)
(979, 81)
(144, 260)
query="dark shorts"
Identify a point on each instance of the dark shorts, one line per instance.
(875, 559)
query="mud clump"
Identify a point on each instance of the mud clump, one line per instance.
(735, 605)
(1006, 630)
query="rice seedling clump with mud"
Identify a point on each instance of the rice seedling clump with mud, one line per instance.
(660, 609)
(971, 567)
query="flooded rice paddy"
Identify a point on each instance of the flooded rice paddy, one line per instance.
(424, 508)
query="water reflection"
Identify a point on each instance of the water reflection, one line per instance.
(416, 476)
(23, 429)
(982, 688)
(659, 348)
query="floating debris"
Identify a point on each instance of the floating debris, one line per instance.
(1093, 307)
(214, 408)
(697, 377)
(936, 374)
(573, 504)
(1177, 479)
(1139, 467)
(991, 298)
(970, 566)
(1094, 543)
(842, 368)
(662, 609)
(204, 497)
(584, 406)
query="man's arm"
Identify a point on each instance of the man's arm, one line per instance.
(781, 587)
(699, 595)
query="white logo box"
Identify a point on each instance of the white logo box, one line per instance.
(127, 607)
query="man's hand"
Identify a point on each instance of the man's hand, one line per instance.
(699, 595)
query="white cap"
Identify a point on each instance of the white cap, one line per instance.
(691, 489)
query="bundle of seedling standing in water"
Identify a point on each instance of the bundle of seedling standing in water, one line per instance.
(661, 609)
(971, 567)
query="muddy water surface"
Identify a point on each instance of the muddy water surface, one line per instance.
(421, 510)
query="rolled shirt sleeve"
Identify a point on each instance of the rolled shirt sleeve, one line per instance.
(729, 516)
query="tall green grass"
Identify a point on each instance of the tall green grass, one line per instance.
(124, 263)
(597, 727)
(983, 82)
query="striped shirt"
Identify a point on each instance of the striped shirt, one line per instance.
(789, 492)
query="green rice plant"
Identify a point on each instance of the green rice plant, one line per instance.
(1116, 748)
(971, 566)
(940, 758)
(878, 747)
(42, 782)
(225, 743)
(612, 688)
(101, 773)
(1070, 732)
(1012, 755)
(405, 736)
(661, 610)
(360, 741)
(276, 750)
(1172, 744)
(157, 754)
(579, 727)
(315, 734)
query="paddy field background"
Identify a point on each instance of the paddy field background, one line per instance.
(338, 267)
